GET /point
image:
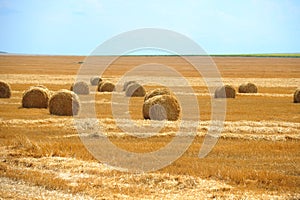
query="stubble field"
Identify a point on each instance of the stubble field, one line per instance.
(256, 157)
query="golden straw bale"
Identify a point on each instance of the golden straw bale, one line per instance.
(106, 86)
(162, 107)
(225, 91)
(135, 90)
(95, 80)
(80, 87)
(36, 97)
(248, 88)
(297, 96)
(5, 90)
(64, 102)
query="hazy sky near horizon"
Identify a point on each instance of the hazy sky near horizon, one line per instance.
(77, 27)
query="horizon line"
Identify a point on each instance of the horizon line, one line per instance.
(288, 55)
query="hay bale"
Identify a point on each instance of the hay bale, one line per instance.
(157, 91)
(248, 88)
(95, 80)
(297, 96)
(162, 107)
(106, 86)
(80, 88)
(99, 85)
(5, 90)
(225, 91)
(64, 103)
(135, 90)
(127, 83)
(36, 97)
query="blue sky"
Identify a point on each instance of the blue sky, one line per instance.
(77, 27)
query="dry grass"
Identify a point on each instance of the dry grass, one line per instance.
(257, 155)
(230, 162)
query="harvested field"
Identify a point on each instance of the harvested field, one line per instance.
(256, 157)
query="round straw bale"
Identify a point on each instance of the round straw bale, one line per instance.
(80, 88)
(36, 97)
(5, 91)
(248, 88)
(297, 96)
(162, 107)
(95, 80)
(157, 91)
(106, 87)
(225, 91)
(127, 83)
(99, 85)
(64, 103)
(135, 90)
